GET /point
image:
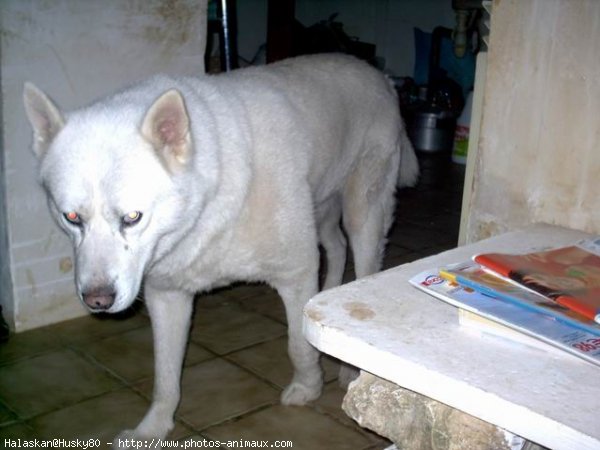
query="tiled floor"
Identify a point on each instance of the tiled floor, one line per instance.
(92, 377)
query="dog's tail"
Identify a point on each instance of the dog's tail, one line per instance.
(409, 164)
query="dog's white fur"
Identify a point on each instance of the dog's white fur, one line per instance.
(238, 177)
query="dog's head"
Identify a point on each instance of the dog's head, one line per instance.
(109, 173)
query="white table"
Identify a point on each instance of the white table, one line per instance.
(387, 327)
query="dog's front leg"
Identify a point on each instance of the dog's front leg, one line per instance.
(170, 313)
(307, 383)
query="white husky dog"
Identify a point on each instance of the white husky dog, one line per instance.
(193, 183)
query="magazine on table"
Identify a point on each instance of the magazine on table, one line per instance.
(485, 327)
(471, 275)
(544, 327)
(568, 275)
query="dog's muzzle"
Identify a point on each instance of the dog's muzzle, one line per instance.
(99, 299)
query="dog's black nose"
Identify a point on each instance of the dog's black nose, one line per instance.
(99, 299)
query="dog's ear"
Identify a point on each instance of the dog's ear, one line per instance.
(45, 118)
(167, 127)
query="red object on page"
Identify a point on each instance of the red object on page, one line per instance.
(568, 275)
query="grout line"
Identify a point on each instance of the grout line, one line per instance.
(237, 418)
(235, 350)
(254, 374)
(28, 420)
(16, 418)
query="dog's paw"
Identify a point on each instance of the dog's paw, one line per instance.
(300, 394)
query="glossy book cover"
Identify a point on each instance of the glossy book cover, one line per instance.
(472, 276)
(543, 327)
(568, 275)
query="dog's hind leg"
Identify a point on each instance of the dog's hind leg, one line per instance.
(367, 216)
(333, 241)
(170, 313)
(307, 381)
(368, 207)
(369, 200)
(364, 224)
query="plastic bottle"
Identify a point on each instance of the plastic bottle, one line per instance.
(461, 134)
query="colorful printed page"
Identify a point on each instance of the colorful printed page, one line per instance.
(568, 275)
(472, 276)
(540, 326)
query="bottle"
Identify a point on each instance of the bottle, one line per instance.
(461, 134)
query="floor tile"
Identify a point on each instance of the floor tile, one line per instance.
(415, 239)
(16, 431)
(396, 256)
(130, 354)
(270, 361)
(304, 427)
(217, 390)
(268, 303)
(330, 403)
(229, 327)
(100, 418)
(215, 299)
(6, 415)
(240, 291)
(349, 274)
(50, 381)
(97, 326)
(27, 344)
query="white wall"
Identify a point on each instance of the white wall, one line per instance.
(538, 158)
(75, 50)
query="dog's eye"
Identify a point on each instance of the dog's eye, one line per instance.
(131, 218)
(73, 217)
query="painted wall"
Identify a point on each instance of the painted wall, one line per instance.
(538, 158)
(75, 51)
